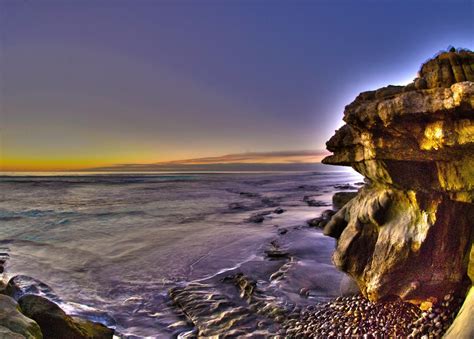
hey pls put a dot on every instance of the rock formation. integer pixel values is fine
(25, 314)
(55, 323)
(409, 231)
(13, 324)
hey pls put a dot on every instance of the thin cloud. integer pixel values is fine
(253, 157)
(279, 160)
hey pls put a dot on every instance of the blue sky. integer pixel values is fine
(102, 82)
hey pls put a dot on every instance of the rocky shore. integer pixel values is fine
(262, 314)
(25, 314)
(405, 237)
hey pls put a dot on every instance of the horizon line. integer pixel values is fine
(216, 167)
(246, 159)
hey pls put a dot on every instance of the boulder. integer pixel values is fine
(258, 217)
(278, 210)
(5, 333)
(13, 324)
(339, 199)
(313, 201)
(55, 323)
(322, 220)
(409, 230)
(20, 285)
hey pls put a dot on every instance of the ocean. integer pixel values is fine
(109, 247)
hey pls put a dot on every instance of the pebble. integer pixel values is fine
(356, 316)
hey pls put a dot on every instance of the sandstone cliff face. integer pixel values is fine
(410, 230)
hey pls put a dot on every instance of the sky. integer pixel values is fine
(87, 84)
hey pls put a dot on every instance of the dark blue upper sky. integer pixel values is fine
(101, 82)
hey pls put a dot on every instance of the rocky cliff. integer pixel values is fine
(410, 229)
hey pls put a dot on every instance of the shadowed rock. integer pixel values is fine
(259, 217)
(278, 210)
(311, 200)
(55, 323)
(339, 199)
(13, 324)
(322, 220)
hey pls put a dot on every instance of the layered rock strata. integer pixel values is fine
(409, 230)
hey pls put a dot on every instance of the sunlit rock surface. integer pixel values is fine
(409, 231)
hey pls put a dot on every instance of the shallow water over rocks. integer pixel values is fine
(112, 248)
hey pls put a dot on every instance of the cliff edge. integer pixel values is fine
(409, 231)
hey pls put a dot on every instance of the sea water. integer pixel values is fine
(110, 246)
